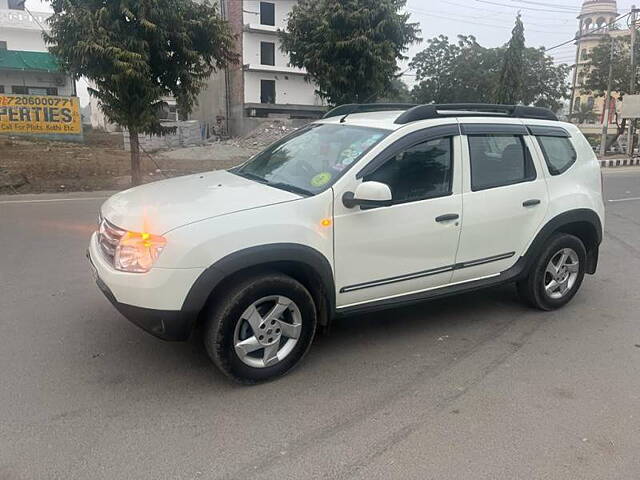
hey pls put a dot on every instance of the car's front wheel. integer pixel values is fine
(557, 275)
(262, 328)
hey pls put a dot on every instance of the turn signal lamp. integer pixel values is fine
(137, 252)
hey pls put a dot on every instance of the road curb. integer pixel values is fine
(620, 162)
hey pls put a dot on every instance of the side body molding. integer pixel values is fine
(287, 255)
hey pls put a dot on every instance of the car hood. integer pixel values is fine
(162, 206)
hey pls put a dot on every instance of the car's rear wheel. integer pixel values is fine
(262, 328)
(557, 275)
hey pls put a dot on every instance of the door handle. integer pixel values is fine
(531, 203)
(447, 218)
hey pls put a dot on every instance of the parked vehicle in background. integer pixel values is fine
(372, 207)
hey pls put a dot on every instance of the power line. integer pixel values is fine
(591, 31)
(498, 12)
(526, 8)
(35, 18)
(508, 27)
(567, 7)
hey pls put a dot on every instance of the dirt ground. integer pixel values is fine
(36, 166)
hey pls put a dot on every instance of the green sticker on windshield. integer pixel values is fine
(321, 179)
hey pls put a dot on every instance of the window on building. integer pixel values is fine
(267, 53)
(268, 91)
(1, 88)
(559, 154)
(19, 90)
(16, 4)
(499, 160)
(421, 172)
(584, 54)
(268, 13)
(3, 45)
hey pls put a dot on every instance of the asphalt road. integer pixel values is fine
(474, 387)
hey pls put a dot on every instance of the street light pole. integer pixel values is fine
(607, 105)
(632, 88)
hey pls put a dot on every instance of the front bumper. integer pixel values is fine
(162, 289)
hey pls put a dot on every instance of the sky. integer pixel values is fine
(547, 22)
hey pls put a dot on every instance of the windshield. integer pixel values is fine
(313, 158)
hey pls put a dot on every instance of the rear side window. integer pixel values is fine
(559, 153)
(420, 172)
(499, 160)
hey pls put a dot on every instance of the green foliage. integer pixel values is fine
(453, 73)
(349, 48)
(510, 87)
(398, 92)
(469, 73)
(545, 84)
(597, 69)
(135, 52)
(584, 114)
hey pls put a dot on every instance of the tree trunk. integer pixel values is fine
(136, 173)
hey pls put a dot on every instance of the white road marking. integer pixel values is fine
(53, 200)
(632, 199)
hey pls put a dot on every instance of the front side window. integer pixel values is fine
(267, 53)
(421, 172)
(312, 159)
(559, 153)
(499, 160)
(268, 13)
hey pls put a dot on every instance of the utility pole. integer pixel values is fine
(632, 88)
(607, 106)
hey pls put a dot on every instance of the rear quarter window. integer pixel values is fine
(558, 153)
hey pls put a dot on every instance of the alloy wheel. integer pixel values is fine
(267, 331)
(561, 273)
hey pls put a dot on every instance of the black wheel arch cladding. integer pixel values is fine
(305, 264)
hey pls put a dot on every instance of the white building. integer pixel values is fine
(264, 85)
(261, 86)
(595, 20)
(26, 67)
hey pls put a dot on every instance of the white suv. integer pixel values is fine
(374, 206)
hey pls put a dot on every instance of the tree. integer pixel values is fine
(597, 72)
(510, 87)
(544, 82)
(584, 114)
(350, 48)
(136, 52)
(466, 72)
(455, 73)
(398, 93)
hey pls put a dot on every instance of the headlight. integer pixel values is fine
(137, 252)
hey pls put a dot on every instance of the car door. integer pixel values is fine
(411, 245)
(505, 199)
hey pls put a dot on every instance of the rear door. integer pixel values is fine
(505, 198)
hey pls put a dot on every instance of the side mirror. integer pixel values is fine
(369, 195)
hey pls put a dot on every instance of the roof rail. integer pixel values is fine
(351, 108)
(426, 112)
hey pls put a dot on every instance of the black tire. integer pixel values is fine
(226, 314)
(532, 289)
